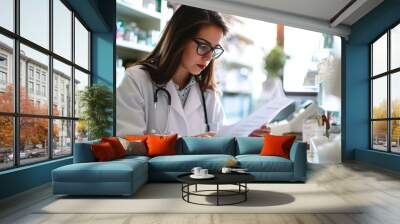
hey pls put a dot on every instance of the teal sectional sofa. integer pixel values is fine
(125, 176)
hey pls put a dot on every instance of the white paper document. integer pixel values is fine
(255, 120)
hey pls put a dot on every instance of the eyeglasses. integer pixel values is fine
(204, 47)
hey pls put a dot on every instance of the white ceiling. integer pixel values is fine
(321, 9)
(313, 15)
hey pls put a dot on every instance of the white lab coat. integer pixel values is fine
(136, 113)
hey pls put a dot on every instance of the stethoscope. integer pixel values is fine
(169, 102)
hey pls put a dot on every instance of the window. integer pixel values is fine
(44, 91)
(3, 71)
(81, 45)
(45, 130)
(3, 78)
(385, 95)
(35, 22)
(30, 72)
(37, 74)
(3, 61)
(302, 73)
(6, 89)
(30, 88)
(62, 75)
(43, 77)
(38, 89)
(7, 14)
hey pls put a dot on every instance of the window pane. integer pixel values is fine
(7, 14)
(6, 74)
(395, 94)
(379, 135)
(62, 138)
(306, 65)
(379, 98)
(35, 21)
(6, 142)
(395, 129)
(81, 81)
(62, 89)
(379, 55)
(33, 139)
(62, 29)
(34, 72)
(395, 47)
(81, 131)
(81, 45)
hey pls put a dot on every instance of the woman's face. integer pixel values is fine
(194, 63)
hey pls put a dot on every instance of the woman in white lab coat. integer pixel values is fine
(181, 66)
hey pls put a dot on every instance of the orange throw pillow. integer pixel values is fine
(160, 145)
(277, 145)
(136, 137)
(103, 152)
(116, 145)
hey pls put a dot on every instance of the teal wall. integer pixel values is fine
(24, 178)
(104, 52)
(356, 86)
(99, 16)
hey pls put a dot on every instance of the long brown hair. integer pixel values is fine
(164, 60)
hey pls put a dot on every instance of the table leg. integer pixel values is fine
(245, 193)
(188, 190)
(217, 194)
(182, 188)
(196, 188)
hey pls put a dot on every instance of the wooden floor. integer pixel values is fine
(377, 188)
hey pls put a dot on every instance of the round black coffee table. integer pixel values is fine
(238, 179)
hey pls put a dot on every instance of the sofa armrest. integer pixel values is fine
(83, 152)
(298, 155)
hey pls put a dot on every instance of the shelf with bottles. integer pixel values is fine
(140, 9)
(139, 25)
(131, 35)
(134, 46)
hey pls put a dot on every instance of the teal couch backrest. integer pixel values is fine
(214, 145)
(83, 152)
(249, 145)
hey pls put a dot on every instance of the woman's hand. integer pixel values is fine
(206, 134)
(260, 132)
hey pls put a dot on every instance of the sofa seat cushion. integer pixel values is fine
(133, 158)
(111, 171)
(185, 163)
(257, 163)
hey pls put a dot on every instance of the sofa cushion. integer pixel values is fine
(199, 145)
(103, 152)
(185, 163)
(136, 137)
(131, 158)
(275, 145)
(134, 147)
(116, 145)
(257, 163)
(249, 145)
(161, 145)
(111, 171)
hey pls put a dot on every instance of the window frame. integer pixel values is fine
(16, 115)
(388, 74)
